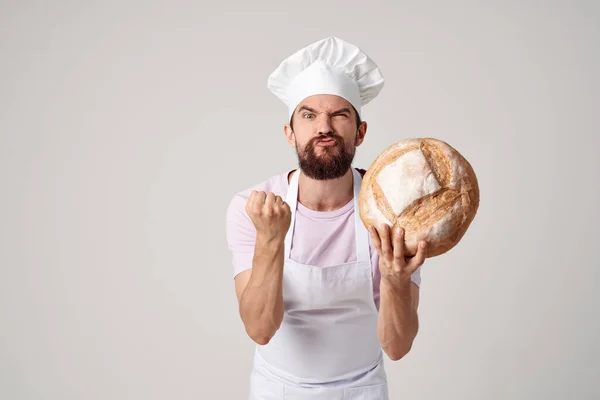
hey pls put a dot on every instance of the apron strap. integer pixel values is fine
(360, 231)
(363, 250)
(292, 200)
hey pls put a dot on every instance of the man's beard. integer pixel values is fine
(332, 163)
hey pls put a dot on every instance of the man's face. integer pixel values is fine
(326, 135)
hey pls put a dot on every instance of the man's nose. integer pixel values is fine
(324, 125)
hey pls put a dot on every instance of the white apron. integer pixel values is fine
(327, 346)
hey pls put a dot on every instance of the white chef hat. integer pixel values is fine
(329, 66)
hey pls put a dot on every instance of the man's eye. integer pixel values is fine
(308, 115)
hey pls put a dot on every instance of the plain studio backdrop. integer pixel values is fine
(126, 127)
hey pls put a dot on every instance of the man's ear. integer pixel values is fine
(290, 135)
(360, 135)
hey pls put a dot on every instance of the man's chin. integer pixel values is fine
(321, 169)
(325, 163)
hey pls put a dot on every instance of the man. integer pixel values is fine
(322, 297)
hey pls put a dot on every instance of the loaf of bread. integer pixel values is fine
(425, 186)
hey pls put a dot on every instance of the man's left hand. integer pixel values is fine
(393, 264)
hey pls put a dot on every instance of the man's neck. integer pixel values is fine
(325, 195)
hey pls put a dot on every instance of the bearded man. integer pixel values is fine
(323, 297)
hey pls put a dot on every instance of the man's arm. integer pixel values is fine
(259, 230)
(398, 321)
(259, 291)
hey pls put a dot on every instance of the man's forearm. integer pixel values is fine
(398, 320)
(261, 304)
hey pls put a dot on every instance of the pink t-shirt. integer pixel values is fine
(320, 238)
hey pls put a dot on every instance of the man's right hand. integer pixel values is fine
(270, 215)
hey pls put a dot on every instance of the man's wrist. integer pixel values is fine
(269, 242)
(396, 284)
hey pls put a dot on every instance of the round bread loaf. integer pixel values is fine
(425, 186)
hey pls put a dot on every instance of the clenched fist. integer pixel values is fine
(270, 215)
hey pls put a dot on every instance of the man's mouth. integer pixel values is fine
(326, 142)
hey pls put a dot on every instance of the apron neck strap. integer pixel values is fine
(360, 231)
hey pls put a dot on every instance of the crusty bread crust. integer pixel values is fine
(443, 185)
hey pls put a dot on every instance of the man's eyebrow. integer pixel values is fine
(307, 108)
(341, 111)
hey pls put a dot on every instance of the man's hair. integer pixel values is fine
(358, 120)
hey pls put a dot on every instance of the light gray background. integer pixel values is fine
(127, 126)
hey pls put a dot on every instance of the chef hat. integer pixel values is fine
(329, 66)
